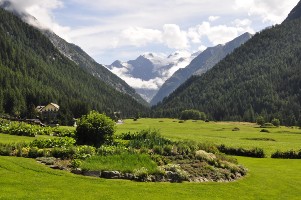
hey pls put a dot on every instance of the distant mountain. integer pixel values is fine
(77, 55)
(34, 72)
(150, 70)
(295, 13)
(199, 65)
(262, 77)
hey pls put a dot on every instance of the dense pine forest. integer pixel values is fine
(33, 72)
(263, 77)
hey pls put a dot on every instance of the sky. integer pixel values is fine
(124, 29)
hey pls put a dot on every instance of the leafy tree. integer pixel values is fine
(192, 114)
(275, 122)
(95, 129)
(260, 120)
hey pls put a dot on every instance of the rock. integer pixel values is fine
(173, 177)
(111, 174)
(91, 173)
(128, 176)
(77, 171)
(54, 167)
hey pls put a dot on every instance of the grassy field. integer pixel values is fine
(6, 139)
(267, 178)
(22, 178)
(249, 136)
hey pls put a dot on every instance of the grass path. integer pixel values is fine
(22, 178)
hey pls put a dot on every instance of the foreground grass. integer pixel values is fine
(124, 162)
(22, 178)
(249, 135)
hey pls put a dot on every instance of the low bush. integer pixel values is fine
(264, 131)
(148, 139)
(23, 129)
(287, 154)
(255, 152)
(63, 133)
(53, 142)
(236, 129)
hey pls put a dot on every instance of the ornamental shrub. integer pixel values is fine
(95, 129)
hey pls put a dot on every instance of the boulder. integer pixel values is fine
(92, 173)
(111, 174)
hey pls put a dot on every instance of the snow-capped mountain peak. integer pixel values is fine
(150, 70)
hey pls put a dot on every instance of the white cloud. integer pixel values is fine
(213, 18)
(274, 11)
(42, 11)
(219, 34)
(173, 37)
(202, 48)
(140, 36)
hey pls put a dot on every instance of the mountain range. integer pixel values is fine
(149, 71)
(262, 77)
(199, 65)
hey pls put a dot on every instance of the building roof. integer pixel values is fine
(39, 108)
(55, 105)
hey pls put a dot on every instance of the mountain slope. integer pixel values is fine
(76, 54)
(147, 73)
(34, 72)
(295, 13)
(261, 77)
(203, 62)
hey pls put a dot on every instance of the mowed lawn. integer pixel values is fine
(22, 178)
(6, 139)
(249, 135)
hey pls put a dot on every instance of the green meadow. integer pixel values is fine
(22, 178)
(248, 136)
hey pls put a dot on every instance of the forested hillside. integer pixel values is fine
(202, 63)
(34, 72)
(262, 77)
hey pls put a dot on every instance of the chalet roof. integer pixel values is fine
(55, 105)
(39, 108)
